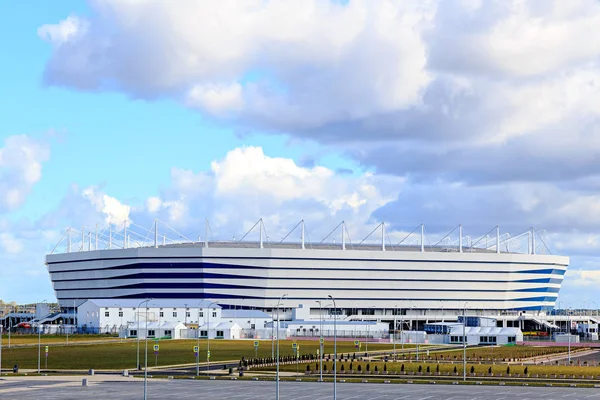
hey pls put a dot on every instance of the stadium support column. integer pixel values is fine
(422, 238)
(460, 238)
(343, 235)
(302, 234)
(497, 239)
(68, 240)
(156, 234)
(532, 241)
(382, 236)
(125, 234)
(110, 235)
(96, 238)
(260, 235)
(206, 233)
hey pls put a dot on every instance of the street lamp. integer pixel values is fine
(277, 374)
(208, 336)
(367, 333)
(320, 341)
(146, 355)
(464, 338)
(137, 365)
(198, 342)
(334, 348)
(40, 340)
(394, 334)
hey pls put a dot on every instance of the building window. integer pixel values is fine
(133, 333)
(120, 313)
(201, 314)
(187, 314)
(168, 333)
(151, 333)
(220, 333)
(203, 333)
(252, 326)
(214, 314)
(106, 313)
(512, 339)
(161, 314)
(174, 313)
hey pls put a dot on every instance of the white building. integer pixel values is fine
(364, 330)
(588, 331)
(111, 315)
(452, 333)
(154, 330)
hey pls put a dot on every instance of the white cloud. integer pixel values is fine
(21, 161)
(66, 30)
(10, 244)
(217, 99)
(113, 210)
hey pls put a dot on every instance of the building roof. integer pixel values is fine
(244, 314)
(156, 303)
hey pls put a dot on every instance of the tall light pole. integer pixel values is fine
(334, 348)
(277, 374)
(146, 356)
(137, 365)
(320, 339)
(394, 337)
(464, 342)
(40, 340)
(569, 331)
(208, 336)
(198, 341)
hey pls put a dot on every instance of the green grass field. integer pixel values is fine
(497, 353)
(123, 355)
(443, 368)
(54, 339)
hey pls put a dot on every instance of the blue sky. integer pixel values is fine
(359, 111)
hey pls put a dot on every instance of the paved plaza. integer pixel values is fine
(57, 388)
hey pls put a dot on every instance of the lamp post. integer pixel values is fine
(208, 337)
(137, 365)
(464, 339)
(334, 348)
(277, 374)
(146, 355)
(394, 334)
(198, 342)
(569, 332)
(320, 339)
(40, 340)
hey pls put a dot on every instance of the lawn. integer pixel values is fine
(416, 367)
(171, 352)
(496, 353)
(16, 339)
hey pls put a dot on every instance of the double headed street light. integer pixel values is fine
(334, 348)
(208, 336)
(277, 374)
(137, 364)
(464, 342)
(40, 340)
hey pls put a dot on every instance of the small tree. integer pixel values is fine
(342, 367)
(420, 368)
(455, 370)
(359, 368)
(376, 368)
(351, 367)
(437, 368)
(525, 371)
(507, 370)
(307, 367)
(490, 370)
(368, 367)
(402, 368)
(384, 367)
(472, 369)
(428, 370)
(325, 367)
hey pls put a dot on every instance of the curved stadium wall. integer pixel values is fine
(242, 274)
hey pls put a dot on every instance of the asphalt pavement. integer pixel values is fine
(131, 388)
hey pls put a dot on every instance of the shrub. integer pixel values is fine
(428, 370)
(308, 367)
(507, 370)
(455, 370)
(437, 368)
(402, 368)
(384, 367)
(525, 371)
(368, 367)
(342, 369)
(490, 370)
(472, 369)
(376, 368)
(420, 368)
(359, 368)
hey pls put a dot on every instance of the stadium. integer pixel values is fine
(418, 283)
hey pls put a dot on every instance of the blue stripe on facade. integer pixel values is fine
(305, 259)
(203, 265)
(210, 275)
(196, 295)
(208, 285)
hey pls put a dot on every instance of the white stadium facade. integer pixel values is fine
(417, 283)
